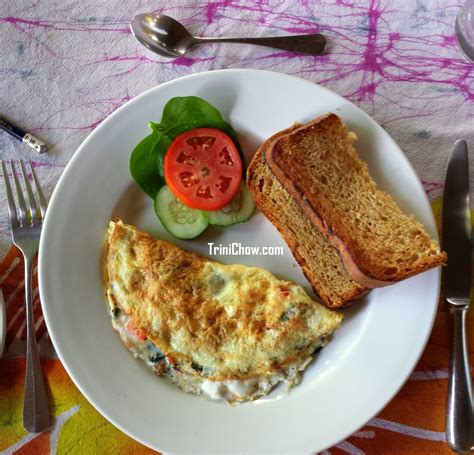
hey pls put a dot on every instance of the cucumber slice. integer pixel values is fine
(238, 210)
(178, 219)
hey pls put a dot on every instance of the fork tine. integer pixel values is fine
(39, 191)
(19, 195)
(10, 199)
(31, 199)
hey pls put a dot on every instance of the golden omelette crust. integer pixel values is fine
(235, 322)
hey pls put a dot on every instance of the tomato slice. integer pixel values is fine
(203, 168)
(134, 330)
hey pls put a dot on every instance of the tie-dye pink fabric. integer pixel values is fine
(66, 65)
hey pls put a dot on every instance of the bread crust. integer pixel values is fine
(253, 177)
(344, 246)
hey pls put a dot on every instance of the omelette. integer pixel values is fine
(229, 332)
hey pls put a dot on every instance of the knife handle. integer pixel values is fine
(460, 420)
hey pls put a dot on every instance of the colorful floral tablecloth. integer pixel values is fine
(66, 65)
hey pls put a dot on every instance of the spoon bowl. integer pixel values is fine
(162, 34)
(169, 38)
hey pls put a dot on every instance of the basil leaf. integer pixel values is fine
(146, 162)
(182, 114)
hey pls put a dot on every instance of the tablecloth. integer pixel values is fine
(66, 65)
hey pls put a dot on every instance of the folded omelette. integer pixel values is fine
(229, 332)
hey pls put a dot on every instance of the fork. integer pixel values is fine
(26, 223)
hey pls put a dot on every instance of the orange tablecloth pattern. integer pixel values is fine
(412, 423)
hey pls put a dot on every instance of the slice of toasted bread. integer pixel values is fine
(379, 245)
(318, 259)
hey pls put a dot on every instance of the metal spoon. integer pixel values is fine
(169, 38)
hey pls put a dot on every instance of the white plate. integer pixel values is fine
(353, 378)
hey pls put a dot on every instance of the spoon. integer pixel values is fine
(169, 38)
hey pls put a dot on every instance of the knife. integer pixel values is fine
(456, 238)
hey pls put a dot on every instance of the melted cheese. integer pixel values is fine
(232, 391)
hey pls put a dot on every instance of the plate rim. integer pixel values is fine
(110, 118)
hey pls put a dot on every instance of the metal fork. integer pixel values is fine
(26, 223)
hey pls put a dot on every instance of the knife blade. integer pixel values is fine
(456, 227)
(456, 241)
